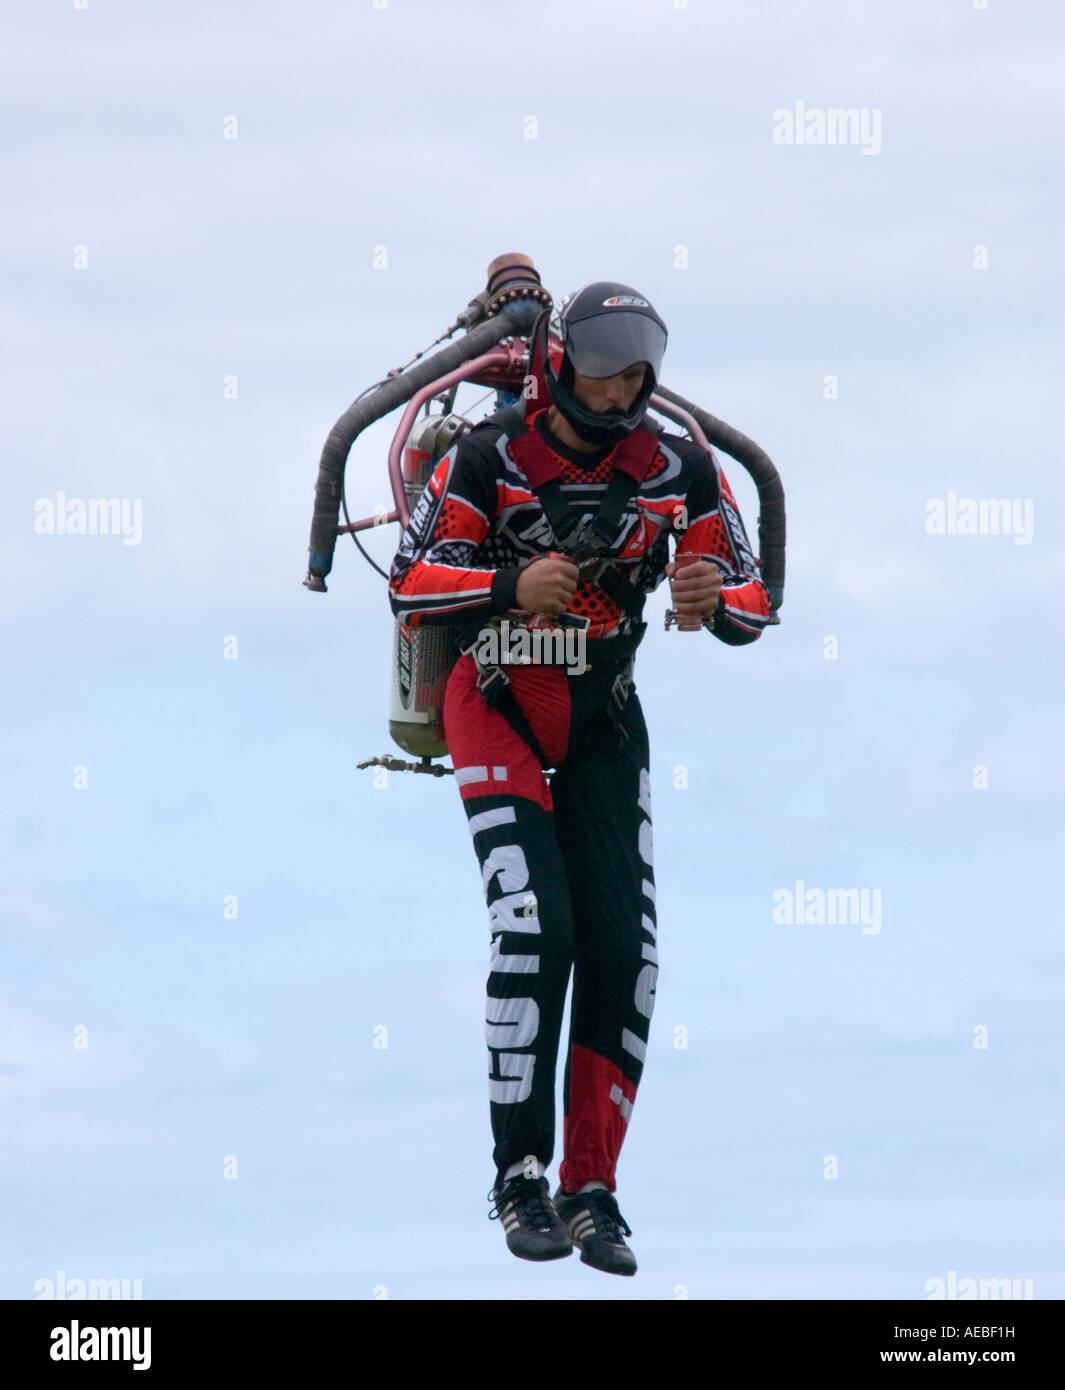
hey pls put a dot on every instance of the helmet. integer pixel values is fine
(599, 331)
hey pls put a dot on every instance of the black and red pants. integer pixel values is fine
(567, 868)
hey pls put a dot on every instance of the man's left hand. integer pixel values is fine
(696, 589)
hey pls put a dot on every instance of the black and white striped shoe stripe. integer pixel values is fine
(582, 1225)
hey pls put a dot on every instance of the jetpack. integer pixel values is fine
(495, 352)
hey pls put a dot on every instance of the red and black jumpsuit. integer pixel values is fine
(566, 864)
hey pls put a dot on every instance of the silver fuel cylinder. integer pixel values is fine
(423, 657)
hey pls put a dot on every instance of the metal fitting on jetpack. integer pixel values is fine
(512, 280)
(391, 763)
(680, 562)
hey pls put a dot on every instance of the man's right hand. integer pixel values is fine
(547, 584)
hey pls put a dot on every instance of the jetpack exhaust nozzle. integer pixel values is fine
(512, 266)
(514, 283)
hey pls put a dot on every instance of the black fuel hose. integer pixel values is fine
(512, 319)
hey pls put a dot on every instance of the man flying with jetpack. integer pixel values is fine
(564, 505)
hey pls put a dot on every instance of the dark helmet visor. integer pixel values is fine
(609, 343)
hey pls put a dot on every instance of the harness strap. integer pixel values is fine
(494, 685)
(504, 700)
(614, 651)
(624, 593)
(564, 520)
(607, 520)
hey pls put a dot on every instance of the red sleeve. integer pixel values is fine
(432, 579)
(715, 531)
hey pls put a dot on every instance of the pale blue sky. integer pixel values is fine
(361, 1168)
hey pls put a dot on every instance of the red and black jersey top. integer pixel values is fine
(478, 522)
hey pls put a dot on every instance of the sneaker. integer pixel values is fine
(530, 1220)
(596, 1226)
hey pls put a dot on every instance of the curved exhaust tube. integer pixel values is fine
(509, 305)
(772, 524)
